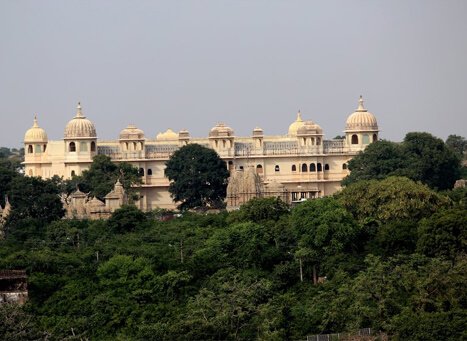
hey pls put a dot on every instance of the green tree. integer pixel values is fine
(420, 157)
(378, 161)
(8, 171)
(198, 177)
(261, 210)
(394, 198)
(444, 234)
(101, 177)
(127, 218)
(431, 161)
(323, 228)
(35, 202)
(457, 143)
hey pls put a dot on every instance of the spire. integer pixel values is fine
(35, 125)
(78, 110)
(360, 104)
(299, 116)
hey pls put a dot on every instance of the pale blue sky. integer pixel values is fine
(190, 64)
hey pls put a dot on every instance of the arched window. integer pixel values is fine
(30, 172)
(326, 167)
(375, 137)
(344, 166)
(126, 145)
(230, 166)
(312, 167)
(259, 169)
(149, 171)
(320, 168)
(141, 172)
(73, 173)
(30, 149)
(277, 168)
(354, 139)
(304, 168)
(44, 147)
(294, 168)
(72, 147)
(134, 146)
(318, 141)
(93, 146)
(223, 143)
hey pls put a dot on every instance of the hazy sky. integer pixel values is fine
(191, 64)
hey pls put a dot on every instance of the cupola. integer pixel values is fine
(35, 134)
(361, 120)
(80, 127)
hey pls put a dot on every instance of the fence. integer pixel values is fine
(342, 336)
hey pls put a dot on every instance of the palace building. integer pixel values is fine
(296, 166)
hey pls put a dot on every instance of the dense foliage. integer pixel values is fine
(386, 253)
(420, 157)
(198, 177)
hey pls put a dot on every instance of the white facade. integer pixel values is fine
(302, 162)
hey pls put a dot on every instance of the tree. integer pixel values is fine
(457, 143)
(125, 219)
(261, 210)
(101, 177)
(444, 234)
(8, 171)
(392, 199)
(35, 202)
(431, 161)
(198, 177)
(323, 228)
(378, 161)
(420, 157)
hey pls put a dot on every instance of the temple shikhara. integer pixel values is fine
(298, 165)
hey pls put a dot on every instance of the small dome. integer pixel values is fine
(79, 126)
(221, 130)
(169, 134)
(293, 128)
(258, 131)
(361, 119)
(131, 133)
(184, 134)
(36, 133)
(309, 128)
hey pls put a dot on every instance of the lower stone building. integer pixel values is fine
(13, 286)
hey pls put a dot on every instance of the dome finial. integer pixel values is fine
(299, 116)
(35, 125)
(78, 110)
(360, 104)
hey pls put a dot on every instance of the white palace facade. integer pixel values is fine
(296, 166)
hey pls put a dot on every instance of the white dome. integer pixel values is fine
(35, 133)
(361, 120)
(80, 126)
(309, 128)
(221, 130)
(293, 128)
(169, 134)
(131, 133)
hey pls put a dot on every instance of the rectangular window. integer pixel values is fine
(83, 147)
